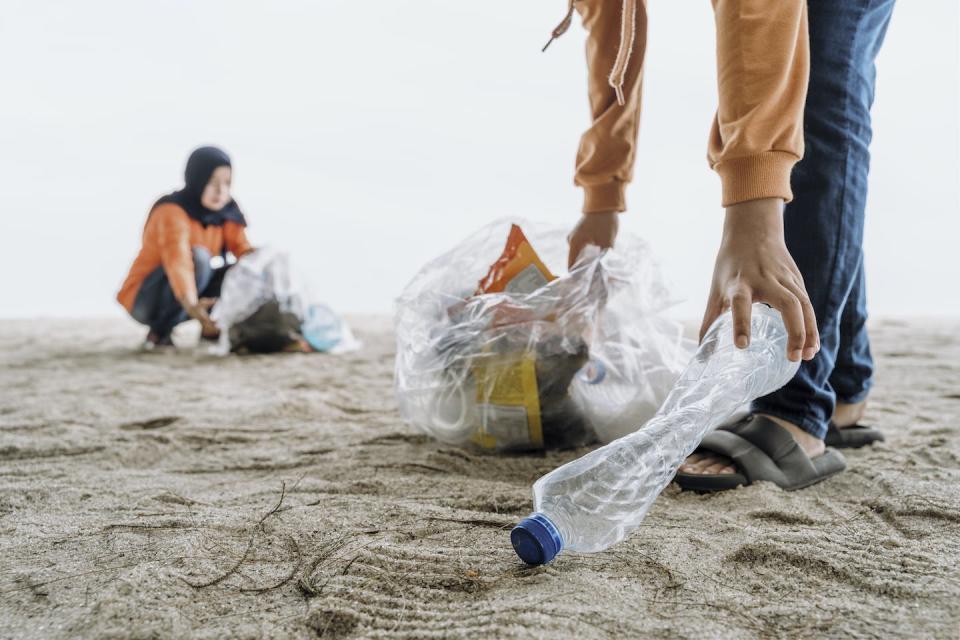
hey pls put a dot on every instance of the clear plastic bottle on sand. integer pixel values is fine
(594, 502)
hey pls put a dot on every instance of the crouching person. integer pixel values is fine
(173, 279)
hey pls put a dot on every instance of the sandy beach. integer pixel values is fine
(186, 496)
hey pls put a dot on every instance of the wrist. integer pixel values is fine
(762, 215)
(192, 309)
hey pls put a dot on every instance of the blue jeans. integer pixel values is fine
(157, 307)
(824, 223)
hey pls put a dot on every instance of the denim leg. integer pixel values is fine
(852, 375)
(212, 289)
(824, 223)
(157, 307)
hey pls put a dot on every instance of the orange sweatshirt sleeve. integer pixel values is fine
(763, 68)
(608, 148)
(172, 228)
(235, 237)
(762, 72)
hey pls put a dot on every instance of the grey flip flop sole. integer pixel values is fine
(853, 437)
(762, 450)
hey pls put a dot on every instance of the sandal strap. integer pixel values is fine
(753, 463)
(780, 446)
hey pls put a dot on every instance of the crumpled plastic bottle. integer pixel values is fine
(594, 502)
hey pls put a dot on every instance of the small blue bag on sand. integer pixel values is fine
(322, 328)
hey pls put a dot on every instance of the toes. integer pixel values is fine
(715, 468)
(707, 464)
(700, 465)
(692, 462)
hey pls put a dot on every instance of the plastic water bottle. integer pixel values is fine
(594, 502)
(614, 399)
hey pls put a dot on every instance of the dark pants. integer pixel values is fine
(157, 307)
(824, 223)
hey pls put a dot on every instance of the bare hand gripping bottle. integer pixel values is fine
(594, 502)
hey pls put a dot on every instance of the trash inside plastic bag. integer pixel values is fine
(265, 306)
(529, 360)
(269, 329)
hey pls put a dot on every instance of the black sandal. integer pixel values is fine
(852, 437)
(762, 450)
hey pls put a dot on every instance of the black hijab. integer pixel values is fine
(200, 166)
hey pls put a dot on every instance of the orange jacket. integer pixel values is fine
(168, 239)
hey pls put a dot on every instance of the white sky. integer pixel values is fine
(368, 137)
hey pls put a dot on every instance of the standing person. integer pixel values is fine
(172, 279)
(802, 256)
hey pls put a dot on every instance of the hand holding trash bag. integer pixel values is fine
(594, 229)
(199, 311)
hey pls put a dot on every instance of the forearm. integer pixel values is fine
(180, 275)
(188, 299)
(176, 256)
(762, 74)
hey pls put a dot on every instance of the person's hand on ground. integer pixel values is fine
(598, 229)
(753, 265)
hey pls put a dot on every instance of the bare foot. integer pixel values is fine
(712, 464)
(848, 415)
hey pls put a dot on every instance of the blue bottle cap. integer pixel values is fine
(536, 539)
(593, 372)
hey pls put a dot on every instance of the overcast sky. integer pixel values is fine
(369, 136)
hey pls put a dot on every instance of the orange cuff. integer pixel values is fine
(766, 175)
(604, 198)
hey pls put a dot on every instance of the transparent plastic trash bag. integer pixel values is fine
(517, 369)
(265, 303)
